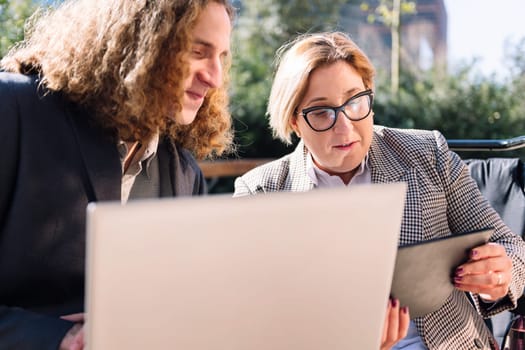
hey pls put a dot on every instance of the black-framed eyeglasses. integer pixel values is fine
(357, 107)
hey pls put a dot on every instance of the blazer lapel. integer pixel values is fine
(167, 188)
(386, 167)
(98, 156)
(299, 181)
(384, 164)
(182, 181)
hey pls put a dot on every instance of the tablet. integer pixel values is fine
(424, 271)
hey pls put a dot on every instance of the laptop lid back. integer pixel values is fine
(279, 271)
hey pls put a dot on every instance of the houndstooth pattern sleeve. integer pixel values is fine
(442, 199)
(467, 209)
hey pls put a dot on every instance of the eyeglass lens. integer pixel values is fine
(323, 118)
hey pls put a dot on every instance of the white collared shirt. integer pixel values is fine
(321, 178)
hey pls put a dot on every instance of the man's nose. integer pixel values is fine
(211, 73)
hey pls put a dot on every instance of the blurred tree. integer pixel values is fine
(515, 56)
(13, 15)
(389, 12)
(262, 27)
(460, 105)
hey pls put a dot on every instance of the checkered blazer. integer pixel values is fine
(441, 198)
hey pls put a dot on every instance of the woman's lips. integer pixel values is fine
(345, 146)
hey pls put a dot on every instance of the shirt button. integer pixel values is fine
(478, 343)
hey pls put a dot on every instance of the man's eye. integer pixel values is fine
(199, 51)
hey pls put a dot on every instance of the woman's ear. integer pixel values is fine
(293, 124)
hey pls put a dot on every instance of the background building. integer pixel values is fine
(423, 36)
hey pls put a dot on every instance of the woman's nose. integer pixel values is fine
(342, 124)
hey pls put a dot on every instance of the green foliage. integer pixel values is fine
(263, 26)
(383, 11)
(390, 12)
(458, 105)
(13, 15)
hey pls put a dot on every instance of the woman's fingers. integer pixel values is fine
(396, 324)
(488, 272)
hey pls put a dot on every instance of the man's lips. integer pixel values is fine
(195, 95)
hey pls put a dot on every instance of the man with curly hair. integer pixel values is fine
(104, 100)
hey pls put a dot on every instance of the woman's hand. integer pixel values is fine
(487, 273)
(396, 324)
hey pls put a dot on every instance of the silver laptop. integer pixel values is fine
(279, 271)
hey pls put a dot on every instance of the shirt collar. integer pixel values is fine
(321, 178)
(148, 151)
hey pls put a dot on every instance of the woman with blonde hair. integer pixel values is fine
(103, 100)
(323, 92)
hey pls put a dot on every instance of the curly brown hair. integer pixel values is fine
(126, 61)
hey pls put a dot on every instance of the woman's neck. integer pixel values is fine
(346, 176)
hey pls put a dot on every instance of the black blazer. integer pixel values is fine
(53, 161)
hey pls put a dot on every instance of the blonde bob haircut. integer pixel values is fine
(125, 61)
(296, 61)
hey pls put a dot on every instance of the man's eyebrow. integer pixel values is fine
(208, 45)
(203, 43)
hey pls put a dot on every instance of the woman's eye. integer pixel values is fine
(321, 113)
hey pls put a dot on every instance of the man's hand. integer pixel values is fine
(74, 338)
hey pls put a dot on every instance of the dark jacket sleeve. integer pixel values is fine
(19, 329)
(200, 183)
(188, 177)
(23, 330)
(9, 131)
(191, 166)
